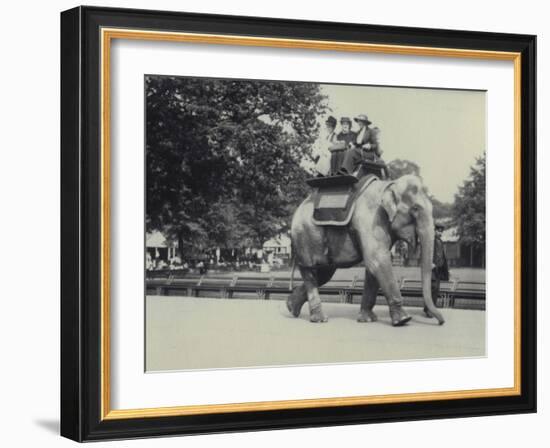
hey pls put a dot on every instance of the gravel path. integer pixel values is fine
(203, 333)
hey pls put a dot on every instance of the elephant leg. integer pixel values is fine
(296, 300)
(324, 274)
(316, 313)
(382, 269)
(370, 292)
(299, 296)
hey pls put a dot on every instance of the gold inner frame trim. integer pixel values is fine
(107, 35)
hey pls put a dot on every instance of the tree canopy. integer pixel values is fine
(441, 209)
(223, 157)
(400, 167)
(469, 205)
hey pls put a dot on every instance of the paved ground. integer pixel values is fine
(202, 333)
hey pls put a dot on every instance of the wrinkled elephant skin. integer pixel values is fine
(385, 212)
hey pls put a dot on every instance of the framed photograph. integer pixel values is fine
(277, 224)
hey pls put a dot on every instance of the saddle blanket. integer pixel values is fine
(334, 205)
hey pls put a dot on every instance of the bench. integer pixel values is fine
(469, 294)
(450, 291)
(250, 285)
(413, 288)
(454, 293)
(163, 285)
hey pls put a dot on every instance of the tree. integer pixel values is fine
(400, 167)
(469, 206)
(441, 209)
(223, 157)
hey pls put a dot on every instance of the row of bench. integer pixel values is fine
(263, 287)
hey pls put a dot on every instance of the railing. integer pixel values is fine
(453, 294)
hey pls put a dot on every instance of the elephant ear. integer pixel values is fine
(390, 201)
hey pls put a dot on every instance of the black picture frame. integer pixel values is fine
(81, 224)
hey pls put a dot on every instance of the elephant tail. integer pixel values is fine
(291, 283)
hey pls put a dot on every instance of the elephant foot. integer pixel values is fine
(316, 315)
(399, 316)
(367, 316)
(294, 306)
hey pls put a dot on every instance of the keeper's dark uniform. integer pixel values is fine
(440, 271)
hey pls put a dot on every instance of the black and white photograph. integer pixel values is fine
(300, 223)
(275, 224)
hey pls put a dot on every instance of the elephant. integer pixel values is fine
(387, 211)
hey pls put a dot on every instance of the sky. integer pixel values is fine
(443, 131)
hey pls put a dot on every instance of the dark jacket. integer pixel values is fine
(369, 136)
(441, 268)
(350, 137)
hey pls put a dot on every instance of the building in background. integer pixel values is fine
(160, 253)
(278, 247)
(460, 254)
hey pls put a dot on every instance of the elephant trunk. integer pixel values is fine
(426, 236)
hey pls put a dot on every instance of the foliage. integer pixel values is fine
(469, 205)
(441, 209)
(400, 167)
(223, 157)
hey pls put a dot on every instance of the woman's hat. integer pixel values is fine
(345, 120)
(363, 117)
(331, 121)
